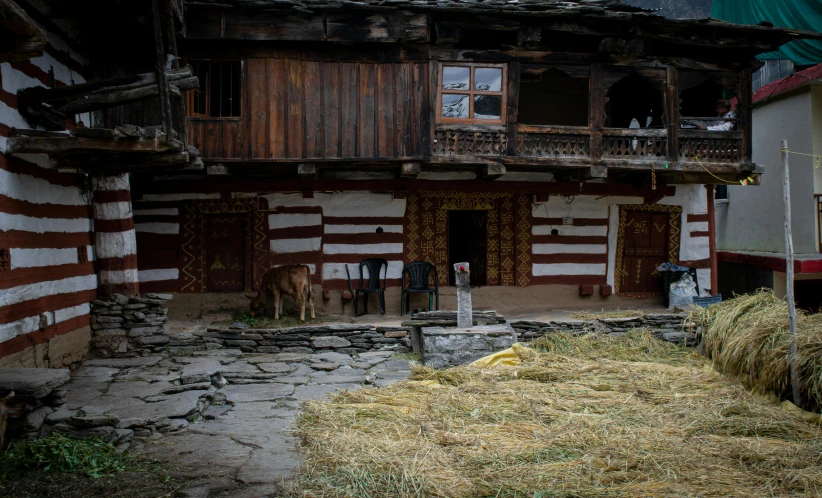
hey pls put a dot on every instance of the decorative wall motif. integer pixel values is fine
(551, 145)
(523, 250)
(636, 147)
(194, 248)
(469, 143)
(674, 231)
(710, 150)
(508, 222)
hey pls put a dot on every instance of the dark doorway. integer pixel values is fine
(467, 241)
(553, 98)
(225, 253)
(646, 247)
(633, 97)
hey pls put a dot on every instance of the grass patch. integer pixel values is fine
(567, 421)
(93, 457)
(266, 322)
(598, 315)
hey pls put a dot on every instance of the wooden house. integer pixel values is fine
(552, 144)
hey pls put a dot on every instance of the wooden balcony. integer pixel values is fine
(573, 146)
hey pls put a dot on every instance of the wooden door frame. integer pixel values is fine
(674, 233)
(248, 262)
(193, 272)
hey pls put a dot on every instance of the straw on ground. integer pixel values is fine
(657, 423)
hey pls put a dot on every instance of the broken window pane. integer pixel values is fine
(488, 107)
(488, 79)
(455, 78)
(454, 106)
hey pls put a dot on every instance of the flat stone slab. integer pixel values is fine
(142, 361)
(489, 330)
(257, 392)
(33, 382)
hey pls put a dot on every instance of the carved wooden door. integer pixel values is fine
(646, 247)
(225, 253)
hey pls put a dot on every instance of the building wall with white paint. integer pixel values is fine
(47, 275)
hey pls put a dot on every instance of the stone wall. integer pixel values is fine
(124, 326)
(669, 327)
(447, 347)
(345, 338)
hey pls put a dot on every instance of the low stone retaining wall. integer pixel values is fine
(124, 326)
(344, 338)
(670, 327)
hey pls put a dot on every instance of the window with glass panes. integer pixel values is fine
(472, 93)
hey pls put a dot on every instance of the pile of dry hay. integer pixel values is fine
(748, 337)
(559, 426)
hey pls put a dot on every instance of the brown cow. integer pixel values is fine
(9, 409)
(291, 280)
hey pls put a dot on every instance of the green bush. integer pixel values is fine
(59, 453)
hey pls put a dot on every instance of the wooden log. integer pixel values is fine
(162, 77)
(119, 163)
(22, 50)
(55, 145)
(789, 270)
(101, 100)
(40, 94)
(41, 115)
(447, 33)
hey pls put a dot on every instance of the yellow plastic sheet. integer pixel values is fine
(507, 357)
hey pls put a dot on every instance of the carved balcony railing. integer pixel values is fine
(469, 141)
(559, 142)
(710, 146)
(634, 144)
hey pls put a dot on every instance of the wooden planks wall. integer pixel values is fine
(333, 110)
(217, 138)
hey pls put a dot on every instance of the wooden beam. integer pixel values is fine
(672, 113)
(410, 170)
(103, 100)
(447, 33)
(491, 171)
(308, 171)
(712, 241)
(22, 38)
(40, 94)
(162, 77)
(54, 145)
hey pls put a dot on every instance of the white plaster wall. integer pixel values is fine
(157, 275)
(38, 190)
(752, 220)
(284, 246)
(288, 220)
(30, 258)
(343, 204)
(34, 291)
(115, 244)
(157, 227)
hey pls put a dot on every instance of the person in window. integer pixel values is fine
(723, 110)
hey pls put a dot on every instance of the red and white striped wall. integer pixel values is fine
(114, 236)
(578, 253)
(333, 230)
(47, 275)
(157, 227)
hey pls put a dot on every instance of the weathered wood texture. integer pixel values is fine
(315, 110)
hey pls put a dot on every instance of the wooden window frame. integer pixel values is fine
(471, 92)
(190, 96)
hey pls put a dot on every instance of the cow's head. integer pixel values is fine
(9, 409)
(257, 304)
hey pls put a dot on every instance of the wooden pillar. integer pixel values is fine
(744, 115)
(513, 107)
(596, 110)
(672, 116)
(115, 242)
(162, 77)
(712, 241)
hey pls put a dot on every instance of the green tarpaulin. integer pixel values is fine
(797, 14)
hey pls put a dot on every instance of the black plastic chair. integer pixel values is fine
(419, 274)
(374, 266)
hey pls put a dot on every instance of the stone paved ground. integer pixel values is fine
(219, 417)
